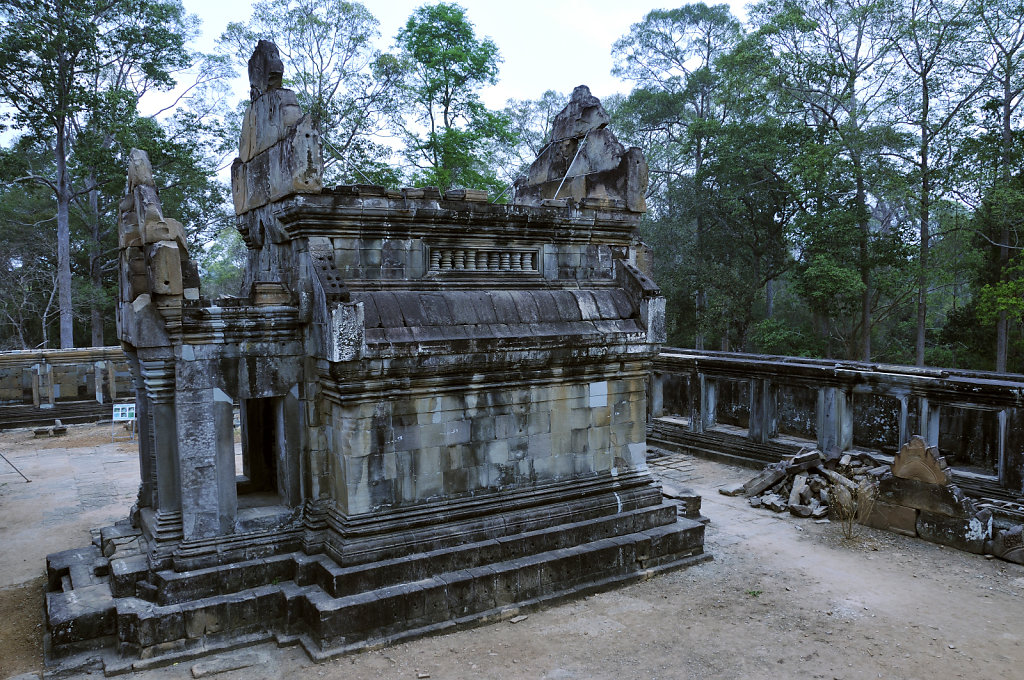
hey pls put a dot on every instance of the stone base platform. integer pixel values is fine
(113, 610)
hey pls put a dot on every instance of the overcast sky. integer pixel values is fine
(544, 44)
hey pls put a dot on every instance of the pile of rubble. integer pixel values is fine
(801, 484)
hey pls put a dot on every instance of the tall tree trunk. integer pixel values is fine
(865, 265)
(1002, 324)
(925, 207)
(769, 298)
(701, 300)
(95, 267)
(67, 324)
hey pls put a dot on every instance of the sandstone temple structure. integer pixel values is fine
(441, 404)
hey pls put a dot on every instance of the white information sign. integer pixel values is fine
(124, 412)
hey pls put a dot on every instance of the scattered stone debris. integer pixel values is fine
(800, 483)
(913, 496)
(519, 619)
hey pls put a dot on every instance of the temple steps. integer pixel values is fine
(330, 609)
(177, 587)
(328, 625)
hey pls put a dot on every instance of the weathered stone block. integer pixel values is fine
(963, 534)
(899, 519)
(934, 498)
(165, 268)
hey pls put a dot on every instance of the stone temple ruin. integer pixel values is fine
(441, 402)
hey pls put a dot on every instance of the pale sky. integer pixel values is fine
(545, 44)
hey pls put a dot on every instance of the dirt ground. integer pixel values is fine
(783, 598)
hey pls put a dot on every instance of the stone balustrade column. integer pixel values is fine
(763, 423)
(708, 402)
(929, 419)
(835, 418)
(656, 400)
(904, 424)
(1011, 448)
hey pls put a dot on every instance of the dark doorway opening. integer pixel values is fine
(262, 443)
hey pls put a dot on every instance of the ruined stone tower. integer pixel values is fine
(441, 403)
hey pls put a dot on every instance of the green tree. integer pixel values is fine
(833, 65)
(671, 56)
(936, 46)
(68, 56)
(1002, 25)
(451, 138)
(530, 122)
(27, 263)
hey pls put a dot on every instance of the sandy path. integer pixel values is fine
(783, 598)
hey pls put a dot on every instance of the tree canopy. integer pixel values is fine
(838, 178)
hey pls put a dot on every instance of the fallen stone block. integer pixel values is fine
(803, 461)
(769, 477)
(838, 479)
(896, 518)
(1008, 544)
(774, 502)
(799, 487)
(800, 510)
(968, 535)
(735, 489)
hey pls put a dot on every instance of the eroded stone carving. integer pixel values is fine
(584, 162)
(917, 460)
(1008, 544)
(279, 152)
(156, 270)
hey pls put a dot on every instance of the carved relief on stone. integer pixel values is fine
(1008, 544)
(918, 461)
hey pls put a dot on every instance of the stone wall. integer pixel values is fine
(974, 417)
(451, 443)
(74, 385)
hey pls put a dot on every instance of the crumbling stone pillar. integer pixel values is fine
(929, 416)
(708, 402)
(763, 423)
(835, 418)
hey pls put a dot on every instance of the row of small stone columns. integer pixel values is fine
(834, 413)
(44, 392)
